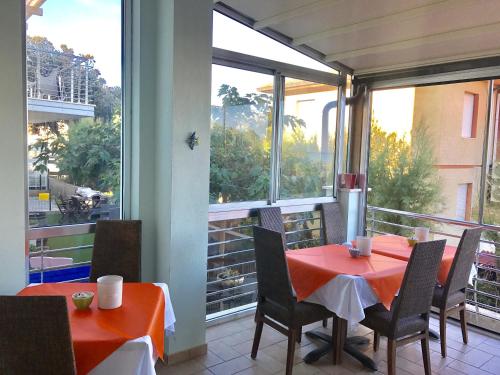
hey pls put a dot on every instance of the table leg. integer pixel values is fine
(349, 344)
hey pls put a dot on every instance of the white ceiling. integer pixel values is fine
(380, 35)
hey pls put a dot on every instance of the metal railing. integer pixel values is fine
(60, 253)
(58, 76)
(231, 254)
(483, 296)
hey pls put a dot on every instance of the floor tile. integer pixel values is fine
(232, 366)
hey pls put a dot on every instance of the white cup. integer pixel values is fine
(109, 291)
(422, 234)
(364, 245)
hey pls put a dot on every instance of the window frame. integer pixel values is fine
(280, 71)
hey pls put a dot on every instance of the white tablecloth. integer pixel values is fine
(137, 357)
(347, 296)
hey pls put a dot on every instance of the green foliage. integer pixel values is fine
(90, 154)
(240, 151)
(239, 165)
(402, 176)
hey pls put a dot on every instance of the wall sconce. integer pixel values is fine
(193, 140)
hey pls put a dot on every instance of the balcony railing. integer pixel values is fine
(60, 254)
(231, 254)
(484, 294)
(58, 76)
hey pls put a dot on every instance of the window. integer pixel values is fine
(74, 131)
(419, 154)
(309, 125)
(74, 112)
(464, 195)
(469, 117)
(257, 155)
(240, 135)
(231, 35)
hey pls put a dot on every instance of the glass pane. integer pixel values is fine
(308, 144)
(419, 159)
(233, 36)
(492, 196)
(74, 111)
(240, 135)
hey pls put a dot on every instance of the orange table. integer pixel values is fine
(397, 247)
(97, 333)
(312, 268)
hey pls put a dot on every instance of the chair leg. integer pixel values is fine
(391, 356)
(425, 354)
(325, 322)
(292, 337)
(376, 341)
(442, 331)
(299, 335)
(257, 335)
(463, 323)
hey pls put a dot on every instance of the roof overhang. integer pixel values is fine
(34, 8)
(377, 37)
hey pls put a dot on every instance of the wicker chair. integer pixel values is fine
(408, 318)
(35, 336)
(275, 297)
(270, 218)
(334, 229)
(450, 297)
(117, 250)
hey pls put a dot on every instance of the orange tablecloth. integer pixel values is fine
(397, 247)
(97, 333)
(312, 268)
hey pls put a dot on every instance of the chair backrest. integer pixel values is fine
(270, 218)
(117, 250)
(334, 228)
(462, 262)
(272, 269)
(415, 295)
(35, 336)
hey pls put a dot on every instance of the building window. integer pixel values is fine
(469, 116)
(464, 201)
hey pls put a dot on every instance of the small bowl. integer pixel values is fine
(82, 300)
(412, 241)
(354, 252)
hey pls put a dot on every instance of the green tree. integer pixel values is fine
(89, 155)
(402, 176)
(240, 151)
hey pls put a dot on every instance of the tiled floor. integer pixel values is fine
(229, 346)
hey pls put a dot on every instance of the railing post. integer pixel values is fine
(72, 85)
(38, 77)
(86, 82)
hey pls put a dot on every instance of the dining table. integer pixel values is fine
(329, 276)
(125, 340)
(395, 246)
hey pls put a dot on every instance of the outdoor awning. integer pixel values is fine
(371, 36)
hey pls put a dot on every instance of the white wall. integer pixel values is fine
(12, 147)
(171, 67)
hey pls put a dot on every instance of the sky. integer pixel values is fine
(394, 110)
(89, 27)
